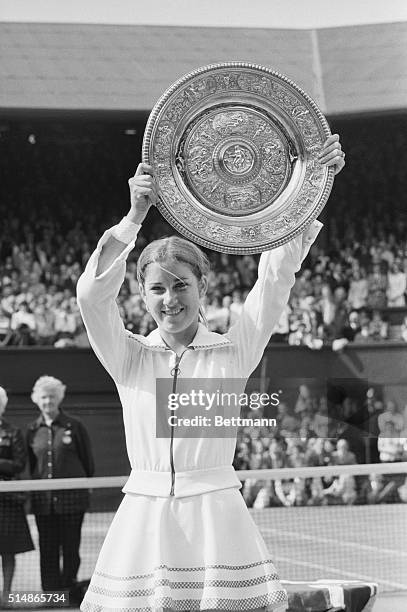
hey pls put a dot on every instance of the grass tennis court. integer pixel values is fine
(342, 542)
(348, 542)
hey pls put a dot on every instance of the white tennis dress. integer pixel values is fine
(182, 538)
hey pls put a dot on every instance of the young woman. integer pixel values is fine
(182, 538)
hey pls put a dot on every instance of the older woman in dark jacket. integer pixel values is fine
(14, 532)
(58, 447)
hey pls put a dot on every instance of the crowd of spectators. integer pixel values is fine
(332, 302)
(63, 186)
(336, 299)
(345, 296)
(316, 432)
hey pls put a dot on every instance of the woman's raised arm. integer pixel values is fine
(277, 269)
(143, 195)
(266, 301)
(100, 283)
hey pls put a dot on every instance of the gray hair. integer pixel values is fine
(3, 397)
(48, 382)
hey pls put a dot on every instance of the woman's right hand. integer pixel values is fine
(143, 193)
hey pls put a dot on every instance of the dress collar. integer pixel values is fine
(204, 339)
(61, 419)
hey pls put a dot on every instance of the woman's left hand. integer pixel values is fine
(332, 154)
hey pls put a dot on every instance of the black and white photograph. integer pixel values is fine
(203, 315)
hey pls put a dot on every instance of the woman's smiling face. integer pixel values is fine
(172, 295)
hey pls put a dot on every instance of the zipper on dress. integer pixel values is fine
(174, 372)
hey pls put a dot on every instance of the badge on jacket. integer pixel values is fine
(67, 437)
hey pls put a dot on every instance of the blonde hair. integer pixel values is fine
(178, 250)
(3, 397)
(48, 382)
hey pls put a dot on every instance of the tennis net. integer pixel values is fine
(336, 522)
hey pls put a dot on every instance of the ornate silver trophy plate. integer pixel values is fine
(234, 149)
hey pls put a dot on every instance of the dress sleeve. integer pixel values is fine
(85, 450)
(266, 301)
(96, 297)
(14, 465)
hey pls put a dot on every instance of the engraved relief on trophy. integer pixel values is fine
(229, 148)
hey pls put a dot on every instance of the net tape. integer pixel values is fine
(101, 482)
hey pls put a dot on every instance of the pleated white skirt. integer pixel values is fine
(202, 552)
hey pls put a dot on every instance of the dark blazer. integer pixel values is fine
(13, 454)
(62, 450)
